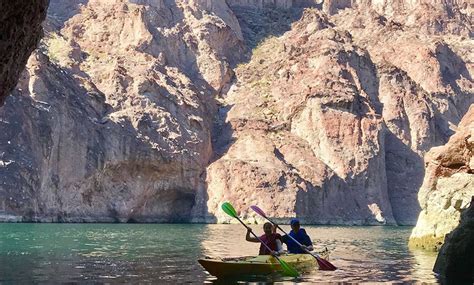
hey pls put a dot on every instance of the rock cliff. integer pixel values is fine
(20, 32)
(333, 118)
(448, 186)
(157, 110)
(111, 120)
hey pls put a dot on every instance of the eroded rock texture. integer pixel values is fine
(20, 32)
(455, 262)
(158, 110)
(448, 186)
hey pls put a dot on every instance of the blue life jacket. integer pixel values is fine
(301, 237)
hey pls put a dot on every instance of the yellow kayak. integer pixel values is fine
(259, 265)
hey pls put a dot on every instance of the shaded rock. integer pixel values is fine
(455, 262)
(20, 32)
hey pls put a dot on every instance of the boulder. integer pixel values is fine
(448, 186)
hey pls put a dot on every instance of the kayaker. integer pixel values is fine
(300, 235)
(270, 238)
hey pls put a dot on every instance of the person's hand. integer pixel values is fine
(274, 228)
(304, 247)
(274, 253)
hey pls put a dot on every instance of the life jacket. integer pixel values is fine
(270, 241)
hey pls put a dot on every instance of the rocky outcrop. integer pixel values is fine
(290, 120)
(448, 186)
(455, 262)
(20, 32)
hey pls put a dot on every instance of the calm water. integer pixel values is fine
(111, 253)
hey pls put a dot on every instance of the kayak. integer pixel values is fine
(258, 265)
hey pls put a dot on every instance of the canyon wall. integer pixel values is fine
(160, 110)
(111, 121)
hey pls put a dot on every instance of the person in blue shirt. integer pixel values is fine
(300, 235)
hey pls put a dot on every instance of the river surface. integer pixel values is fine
(168, 253)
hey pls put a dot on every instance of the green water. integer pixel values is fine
(156, 253)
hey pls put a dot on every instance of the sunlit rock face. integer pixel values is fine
(303, 137)
(20, 32)
(330, 121)
(425, 88)
(448, 186)
(428, 16)
(160, 110)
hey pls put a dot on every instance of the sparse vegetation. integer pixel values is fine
(57, 48)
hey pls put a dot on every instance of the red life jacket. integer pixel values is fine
(270, 241)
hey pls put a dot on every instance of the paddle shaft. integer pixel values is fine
(261, 241)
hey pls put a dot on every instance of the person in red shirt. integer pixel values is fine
(270, 238)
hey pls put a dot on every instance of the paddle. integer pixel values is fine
(323, 264)
(287, 269)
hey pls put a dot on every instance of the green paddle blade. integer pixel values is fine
(287, 269)
(229, 210)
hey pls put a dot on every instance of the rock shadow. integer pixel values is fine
(222, 133)
(200, 212)
(60, 11)
(261, 23)
(405, 172)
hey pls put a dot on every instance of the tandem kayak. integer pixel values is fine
(258, 265)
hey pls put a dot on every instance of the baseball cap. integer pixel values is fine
(294, 221)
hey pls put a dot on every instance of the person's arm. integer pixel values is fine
(249, 238)
(274, 228)
(279, 248)
(309, 247)
(307, 243)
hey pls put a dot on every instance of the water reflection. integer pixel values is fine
(61, 253)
